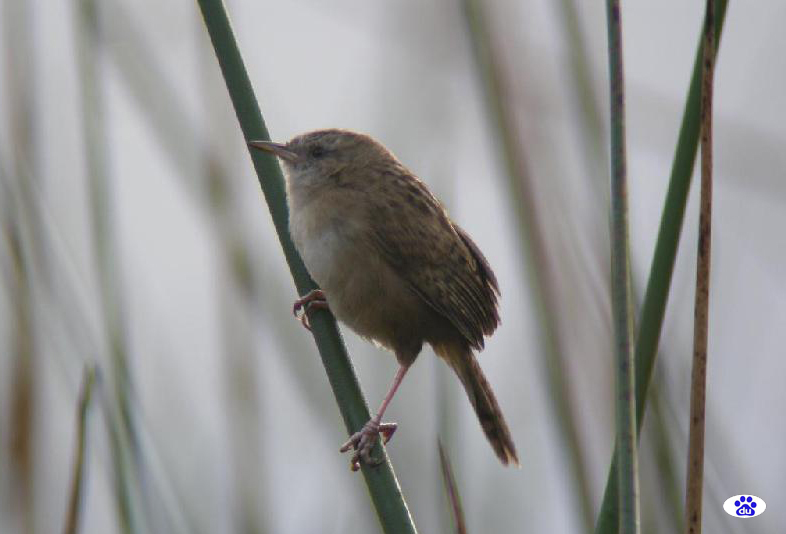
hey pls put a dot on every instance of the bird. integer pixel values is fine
(391, 265)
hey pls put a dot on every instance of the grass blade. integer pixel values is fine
(698, 390)
(28, 259)
(381, 481)
(657, 293)
(457, 512)
(88, 47)
(22, 397)
(583, 88)
(77, 477)
(621, 301)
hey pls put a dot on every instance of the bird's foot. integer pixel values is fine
(313, 300)
(363, 441)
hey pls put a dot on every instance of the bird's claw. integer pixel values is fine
(314, 299)
(363, 442)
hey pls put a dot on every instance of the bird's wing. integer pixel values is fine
(436, 258)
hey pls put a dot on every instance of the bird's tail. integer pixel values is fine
(463, 361)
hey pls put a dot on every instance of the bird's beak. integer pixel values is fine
(277, 149)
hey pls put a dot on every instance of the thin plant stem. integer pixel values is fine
(77, 476)
(583, 88)
(28, 253)
(621, 301)
(124, 450)
(451, 491)
(662, 268)
(242, 361)
(381, 481)
(21, 435)
(698, 390)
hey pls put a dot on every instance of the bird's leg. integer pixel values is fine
(363, 440)
(313, 300)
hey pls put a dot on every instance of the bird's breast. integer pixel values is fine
(362, 290)
(330, 244)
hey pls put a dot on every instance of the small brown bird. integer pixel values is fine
(392, 265)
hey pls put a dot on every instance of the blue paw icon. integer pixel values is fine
(745, 506)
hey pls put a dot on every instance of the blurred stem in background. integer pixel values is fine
(244, 415)
(28, 265)
(124, 440)
(210, 185)
(542, 286)
(583, 86)
(447, 399)
(592, 136)
(662, 268)
(78, 474)
(381, 481)
(447, 425)
(666, 478)
(621, 299)
(19, 480)
(237, 298)
(698, 390)
(451, 491)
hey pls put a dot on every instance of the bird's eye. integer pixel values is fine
(317, 152)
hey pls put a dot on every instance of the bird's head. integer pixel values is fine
(324, 157)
